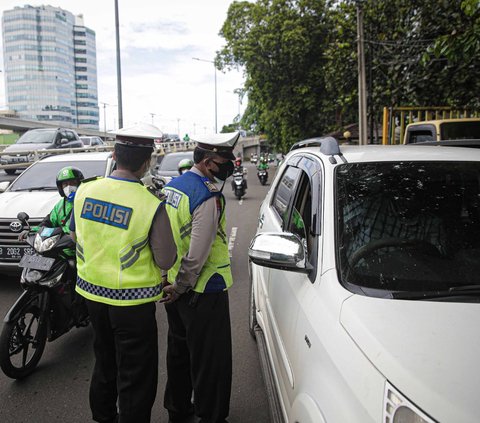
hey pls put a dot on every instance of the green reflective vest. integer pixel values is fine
(183, 195)
(114, 261)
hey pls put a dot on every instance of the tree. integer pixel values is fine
(300, 60)
(280, 44)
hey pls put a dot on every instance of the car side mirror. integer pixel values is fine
(283, 251)
(4, 185)
(23, 217)
(63, 141)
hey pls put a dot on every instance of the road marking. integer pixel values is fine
(231, 240)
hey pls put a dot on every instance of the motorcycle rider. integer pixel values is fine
(238, 168)
(68, 179)
(184, 165)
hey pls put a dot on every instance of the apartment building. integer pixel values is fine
(50, 66)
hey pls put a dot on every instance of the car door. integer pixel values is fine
(298, 213)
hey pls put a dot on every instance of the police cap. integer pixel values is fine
(221, 144)
(139, 135)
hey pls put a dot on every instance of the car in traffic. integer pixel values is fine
(23, 152)
(364, 295)
(443, 129)
(35, 192)
(166, 165)
(92, 141)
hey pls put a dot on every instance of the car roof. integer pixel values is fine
(394, 153)
(440, 121)
(180, 153)
(80, 157)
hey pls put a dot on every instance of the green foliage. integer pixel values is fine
(300, 60)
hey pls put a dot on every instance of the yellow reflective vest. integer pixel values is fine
(114, 261)
(183, 195)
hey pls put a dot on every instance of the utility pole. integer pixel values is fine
(362, 84)
(119, 71)
(152, 114)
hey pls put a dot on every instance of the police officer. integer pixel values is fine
(199, 354)
(123, 239)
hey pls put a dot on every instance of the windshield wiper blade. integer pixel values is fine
(453, 291)
(39, 189)
(465, 288)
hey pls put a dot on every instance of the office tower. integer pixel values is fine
(50, 66)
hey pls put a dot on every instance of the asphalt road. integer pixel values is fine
(58, 390)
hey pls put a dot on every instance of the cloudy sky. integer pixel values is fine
(158, 40)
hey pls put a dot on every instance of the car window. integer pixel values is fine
(170, 161)
(408, 226)
(284, 193)
(71, 136)
(43, 174)
(460, 130)
(37, 137)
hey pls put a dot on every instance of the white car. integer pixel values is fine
(35, 192)
(365, 294)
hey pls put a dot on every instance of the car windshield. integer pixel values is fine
(408, 226)
(460, 130)
(37, 137)
(170, 161)
(42, 176)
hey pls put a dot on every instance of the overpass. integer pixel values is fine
(245, 146)
(22, 125)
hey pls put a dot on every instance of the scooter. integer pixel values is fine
(262, 176)
(239, 184)
(48, 306)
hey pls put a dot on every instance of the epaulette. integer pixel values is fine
(156, 192)
(93, 178)
(210, 186)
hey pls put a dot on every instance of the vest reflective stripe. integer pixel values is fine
(132, 254)
(127, 294)
(80, 252)
(115, 263)
(183, 193)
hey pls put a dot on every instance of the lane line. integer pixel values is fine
(231, 240)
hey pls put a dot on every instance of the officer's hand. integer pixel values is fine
(23, 235)
(170, 295)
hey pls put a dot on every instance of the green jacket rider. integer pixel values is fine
(68, 179)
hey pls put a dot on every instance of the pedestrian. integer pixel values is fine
(123, 240)
(199, 353)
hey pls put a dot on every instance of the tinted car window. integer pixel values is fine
(460, 130)
(408, 226)
(170, 161)
(43, 175)
(284, 193)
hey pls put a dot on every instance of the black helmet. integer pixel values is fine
(68, 173)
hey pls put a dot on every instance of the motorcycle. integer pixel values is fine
(48, 306)
(239, 184)
(262, 176)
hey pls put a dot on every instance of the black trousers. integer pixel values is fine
(199, 357)
(126, 362)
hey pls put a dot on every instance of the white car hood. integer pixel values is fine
(430, 351)
(37, 204)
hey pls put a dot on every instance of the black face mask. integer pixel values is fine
(224, 170)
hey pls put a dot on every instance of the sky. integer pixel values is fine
(161, 83)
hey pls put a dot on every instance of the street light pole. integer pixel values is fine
(215, 79)
(119, 71)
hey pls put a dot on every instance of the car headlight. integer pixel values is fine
(398, 409)
(45, 245)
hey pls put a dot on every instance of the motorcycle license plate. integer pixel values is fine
(36, 262)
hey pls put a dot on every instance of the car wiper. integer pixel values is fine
(38, 189)
(465, 290)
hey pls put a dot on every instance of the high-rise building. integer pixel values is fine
(50, 66)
